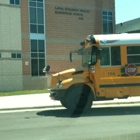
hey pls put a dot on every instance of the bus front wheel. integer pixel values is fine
(79, 99)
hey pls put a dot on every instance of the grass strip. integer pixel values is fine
(24, 92)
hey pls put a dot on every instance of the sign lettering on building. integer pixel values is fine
(71, 12)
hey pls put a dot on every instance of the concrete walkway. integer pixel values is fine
(27, 101)
(43, 101)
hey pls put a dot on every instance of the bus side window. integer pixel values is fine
(111, 56)
(105, 60)
(115, 56)
(133, 54)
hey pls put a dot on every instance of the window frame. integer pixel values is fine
(136, 54)
(14, 3)
(110, 57)
(86, 55)
(92, 50)
(36, 25)
(107, 20)
(37, 58)
(16, 54)
(37, 35)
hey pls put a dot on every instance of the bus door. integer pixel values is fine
(110, 73)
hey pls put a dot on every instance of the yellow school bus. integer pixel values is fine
(110, 69)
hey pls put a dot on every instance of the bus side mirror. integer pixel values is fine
(46, 69)
(71, 57)
(99, 53)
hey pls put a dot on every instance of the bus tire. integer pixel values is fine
(63, 102)
(79, 100)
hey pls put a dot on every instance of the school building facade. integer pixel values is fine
(35, 33)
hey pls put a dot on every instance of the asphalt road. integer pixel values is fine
(98, 124)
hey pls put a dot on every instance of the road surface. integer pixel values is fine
(98, 124)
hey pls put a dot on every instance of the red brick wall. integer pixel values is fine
(61, 28)
(25, 36)
(59, 59)
(24, 16)
(63, 33)
(69, 26)
(92, 3)
(59, 65)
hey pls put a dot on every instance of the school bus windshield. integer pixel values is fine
(89, 56)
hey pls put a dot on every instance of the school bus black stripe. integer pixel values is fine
(138, 74)
(119, 85)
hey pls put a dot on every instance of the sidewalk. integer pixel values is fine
(27, 101)
(43, 101)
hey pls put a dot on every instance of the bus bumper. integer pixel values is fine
(57, 94)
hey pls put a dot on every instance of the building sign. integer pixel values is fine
(131, 70)
(71, 12)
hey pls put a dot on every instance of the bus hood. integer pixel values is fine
(63, 75)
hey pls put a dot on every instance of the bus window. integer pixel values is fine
(133, 54)
(105, 60)
(111, 56)
(86, 59)
(115, 56)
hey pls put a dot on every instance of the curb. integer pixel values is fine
(57, 106)
(37, 107)
(118, 103)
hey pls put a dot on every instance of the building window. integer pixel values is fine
(107, 18)
(111, 56)
(36, 16)
(37, 35)
(16, 55)
(15, 2)
(133, 54)
(37, 57)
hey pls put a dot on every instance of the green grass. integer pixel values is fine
(24, 92)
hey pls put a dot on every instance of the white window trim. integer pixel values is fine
(36, 16)
(16, 56)
(107, 19)
(132, 55)
(38, 36)
(110, 60)
(14, 3)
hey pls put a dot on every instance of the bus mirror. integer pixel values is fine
(46, 69)
(99, 53)
(71, 57)
(82, 43)
(91, 39)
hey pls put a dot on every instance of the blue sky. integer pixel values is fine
(127, 10)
